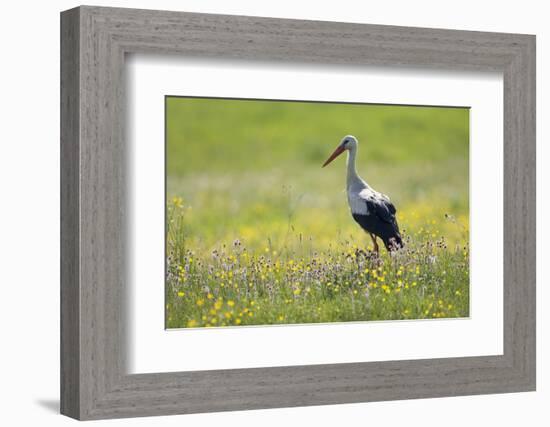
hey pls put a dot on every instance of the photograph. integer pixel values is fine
(307, 212)
(267, 213)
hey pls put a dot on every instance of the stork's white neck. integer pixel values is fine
(353, 180)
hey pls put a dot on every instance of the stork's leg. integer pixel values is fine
(375, 243)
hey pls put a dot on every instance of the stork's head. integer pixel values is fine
(349, 142)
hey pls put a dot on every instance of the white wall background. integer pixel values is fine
(29, 217)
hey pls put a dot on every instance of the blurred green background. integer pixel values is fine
(251, 170)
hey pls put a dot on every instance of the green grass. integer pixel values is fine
(235, 286)
(250, 171)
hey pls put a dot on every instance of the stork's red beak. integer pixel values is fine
(339, 150)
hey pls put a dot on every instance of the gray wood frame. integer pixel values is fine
(94, 41)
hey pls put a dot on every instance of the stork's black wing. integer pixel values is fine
(380, 221)
(385, 210)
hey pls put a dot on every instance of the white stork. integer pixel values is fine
(372, 210)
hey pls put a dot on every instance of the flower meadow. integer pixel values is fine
(233, 285)
(258, 233)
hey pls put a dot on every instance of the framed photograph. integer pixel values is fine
(261, 213)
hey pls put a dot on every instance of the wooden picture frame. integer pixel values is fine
(94, 382)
